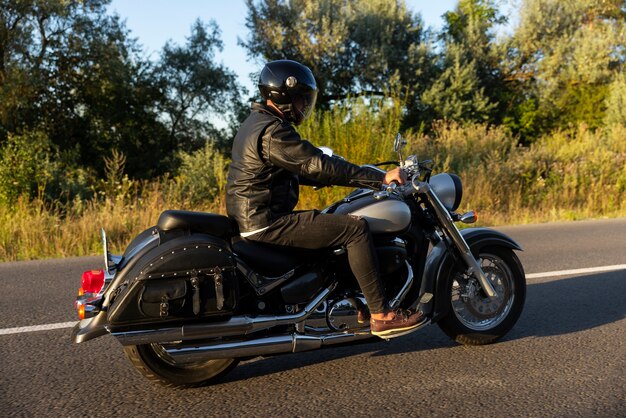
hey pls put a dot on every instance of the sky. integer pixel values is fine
(154, 22)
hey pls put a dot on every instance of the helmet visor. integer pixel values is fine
(304, 105)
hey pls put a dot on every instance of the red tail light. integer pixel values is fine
(92, 281)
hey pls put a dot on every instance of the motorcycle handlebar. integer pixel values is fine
(402, 190)
(391, 187)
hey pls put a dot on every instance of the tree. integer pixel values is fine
(195, 88)
(70, 71)
(457, 94)
(471, 85)
(567, 54)
(353, 47)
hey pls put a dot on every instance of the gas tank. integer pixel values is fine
(388, 215)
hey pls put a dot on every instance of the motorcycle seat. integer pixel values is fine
(206, 223)
(273, 260)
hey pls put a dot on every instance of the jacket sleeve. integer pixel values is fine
(286, 149)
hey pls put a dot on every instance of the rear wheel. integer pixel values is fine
(154, 362)
(476, 319)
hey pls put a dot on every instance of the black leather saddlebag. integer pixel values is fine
(190, 277)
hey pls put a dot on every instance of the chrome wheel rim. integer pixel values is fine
(472, 307)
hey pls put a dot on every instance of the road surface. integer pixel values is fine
(565, 357)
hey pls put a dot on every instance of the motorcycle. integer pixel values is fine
(189, 298)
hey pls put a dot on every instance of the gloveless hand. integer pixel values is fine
(397, 174)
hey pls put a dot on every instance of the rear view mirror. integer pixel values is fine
(397, 147)
(399, 143)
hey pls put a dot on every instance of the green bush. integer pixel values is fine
(616, 102)
(201, 178)
(27, 165)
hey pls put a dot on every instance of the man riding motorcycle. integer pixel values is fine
(269, 162)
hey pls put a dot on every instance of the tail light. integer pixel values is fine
(92, 281)
(80, 308)
(90, 296)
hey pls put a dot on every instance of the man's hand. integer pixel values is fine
(397, 174)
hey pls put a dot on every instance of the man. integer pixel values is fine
(270, 160)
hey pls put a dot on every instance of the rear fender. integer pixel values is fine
(437, 278)
(90, 328)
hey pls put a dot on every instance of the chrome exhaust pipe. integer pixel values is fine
(238, 325)
(281, 344)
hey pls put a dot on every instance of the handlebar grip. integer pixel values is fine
(392, 186)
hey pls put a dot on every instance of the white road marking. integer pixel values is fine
(46, 327)
(61, 325)
(576, 271)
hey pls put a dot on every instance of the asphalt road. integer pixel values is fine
(566, 356)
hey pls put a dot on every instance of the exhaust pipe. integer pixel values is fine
(262, 346)
(239, 325)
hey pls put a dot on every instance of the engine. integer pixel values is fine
(341, 314)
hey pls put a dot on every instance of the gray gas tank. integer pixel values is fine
(386, 216)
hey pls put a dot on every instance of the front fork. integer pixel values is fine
(473, 266)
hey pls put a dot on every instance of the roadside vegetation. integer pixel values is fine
(94, 135)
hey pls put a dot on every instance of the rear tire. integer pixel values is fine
(474, 319)
(153, 362)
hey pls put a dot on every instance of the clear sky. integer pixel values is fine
(154, 22)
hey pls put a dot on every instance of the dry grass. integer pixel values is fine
(34, 230)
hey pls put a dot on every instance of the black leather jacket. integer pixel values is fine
(270, 160)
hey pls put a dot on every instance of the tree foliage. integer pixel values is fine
(471, 85)
(68, 69)
(565, 55)
(195, 87)
(71, 71)
(352, 47)
(616, 102)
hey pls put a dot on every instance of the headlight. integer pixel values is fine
(448, 188)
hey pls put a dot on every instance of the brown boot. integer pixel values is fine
(402, 323)
(363, 316)
(363, 311)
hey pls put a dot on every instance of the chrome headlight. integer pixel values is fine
(448, 188)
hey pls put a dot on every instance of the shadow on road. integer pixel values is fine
(573, 305)
(552, 308)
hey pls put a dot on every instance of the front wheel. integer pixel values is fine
(154, 363)
(475, 319)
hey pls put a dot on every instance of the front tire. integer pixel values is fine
(154, 363)
(475, 319)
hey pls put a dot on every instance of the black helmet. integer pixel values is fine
(291, 87)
